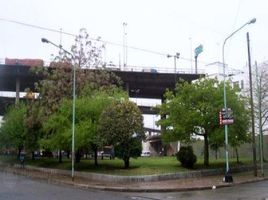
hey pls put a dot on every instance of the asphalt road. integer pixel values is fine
(252, 191)
(13, 187)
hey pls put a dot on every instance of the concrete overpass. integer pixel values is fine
(16, 78)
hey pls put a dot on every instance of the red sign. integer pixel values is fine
(226, 116)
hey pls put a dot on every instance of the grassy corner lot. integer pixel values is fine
(139, 166)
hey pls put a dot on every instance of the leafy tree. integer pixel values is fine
(58, 79)
(193, 110)
(12, 131)
(86, 52)
(217, 141)
(122, 125)
(32, 124)
(88, 111)
(260, 93)
(57, 130)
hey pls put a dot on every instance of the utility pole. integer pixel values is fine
(176, 56)
(259, 94)
(252, 110)
(124, 45)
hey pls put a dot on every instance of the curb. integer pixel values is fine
(126, 188)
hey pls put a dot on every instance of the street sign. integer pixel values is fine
(226, 116)
(198, 50)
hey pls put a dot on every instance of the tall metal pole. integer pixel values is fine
(252, 110)
(175, 70)
(176, 56)
(74, 98)
(195, 59)
(124, 44)
(228, 176)
(73, 122)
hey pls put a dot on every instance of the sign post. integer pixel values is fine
(197, 51)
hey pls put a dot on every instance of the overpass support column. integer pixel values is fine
(164, 146)
(17, 90)
(127, 88)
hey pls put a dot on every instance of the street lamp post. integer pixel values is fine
(176, 56)
(228, 176)
(73, 111)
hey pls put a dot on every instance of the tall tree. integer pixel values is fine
(12, 131)
(122, 125)
(58, 79)
(88, 111)
(193, 110)
(260, 92)
(87, 53)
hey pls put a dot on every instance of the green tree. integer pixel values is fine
(58, 79)
(32, 126)
(260, 97)
(12, 131)
(193, 110)
(88, 111)
(122, 125)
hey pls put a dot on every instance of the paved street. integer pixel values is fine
(14, 187)
(18, 187)
(252, 191)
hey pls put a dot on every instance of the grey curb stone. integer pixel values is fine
(133, 179)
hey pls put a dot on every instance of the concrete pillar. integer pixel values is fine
(127, 88)
(17, 90)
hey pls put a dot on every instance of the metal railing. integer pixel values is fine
(134, 68)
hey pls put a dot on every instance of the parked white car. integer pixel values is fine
(146, 154)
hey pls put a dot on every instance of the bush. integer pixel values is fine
(186, 157)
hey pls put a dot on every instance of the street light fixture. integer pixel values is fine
(228, 177)
(44, 40)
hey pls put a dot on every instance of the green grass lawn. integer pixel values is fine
(139, 166)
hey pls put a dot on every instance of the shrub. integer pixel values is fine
(186, 157)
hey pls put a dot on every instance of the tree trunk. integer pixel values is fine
(96, 156)
(77, 156)
(33, 155)
(126, 162)
(19, 152)
(206, 150)
(237, 156)
(68, 154)
(60, 156)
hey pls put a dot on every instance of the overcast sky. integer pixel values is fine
(164, 26)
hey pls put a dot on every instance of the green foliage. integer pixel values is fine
(122, 124)
(12, 131)
(186, 156)
(193, 110)
(134, 146)
(88, 110)
(58, 80)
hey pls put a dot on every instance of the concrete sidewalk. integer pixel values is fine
(185, 184)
